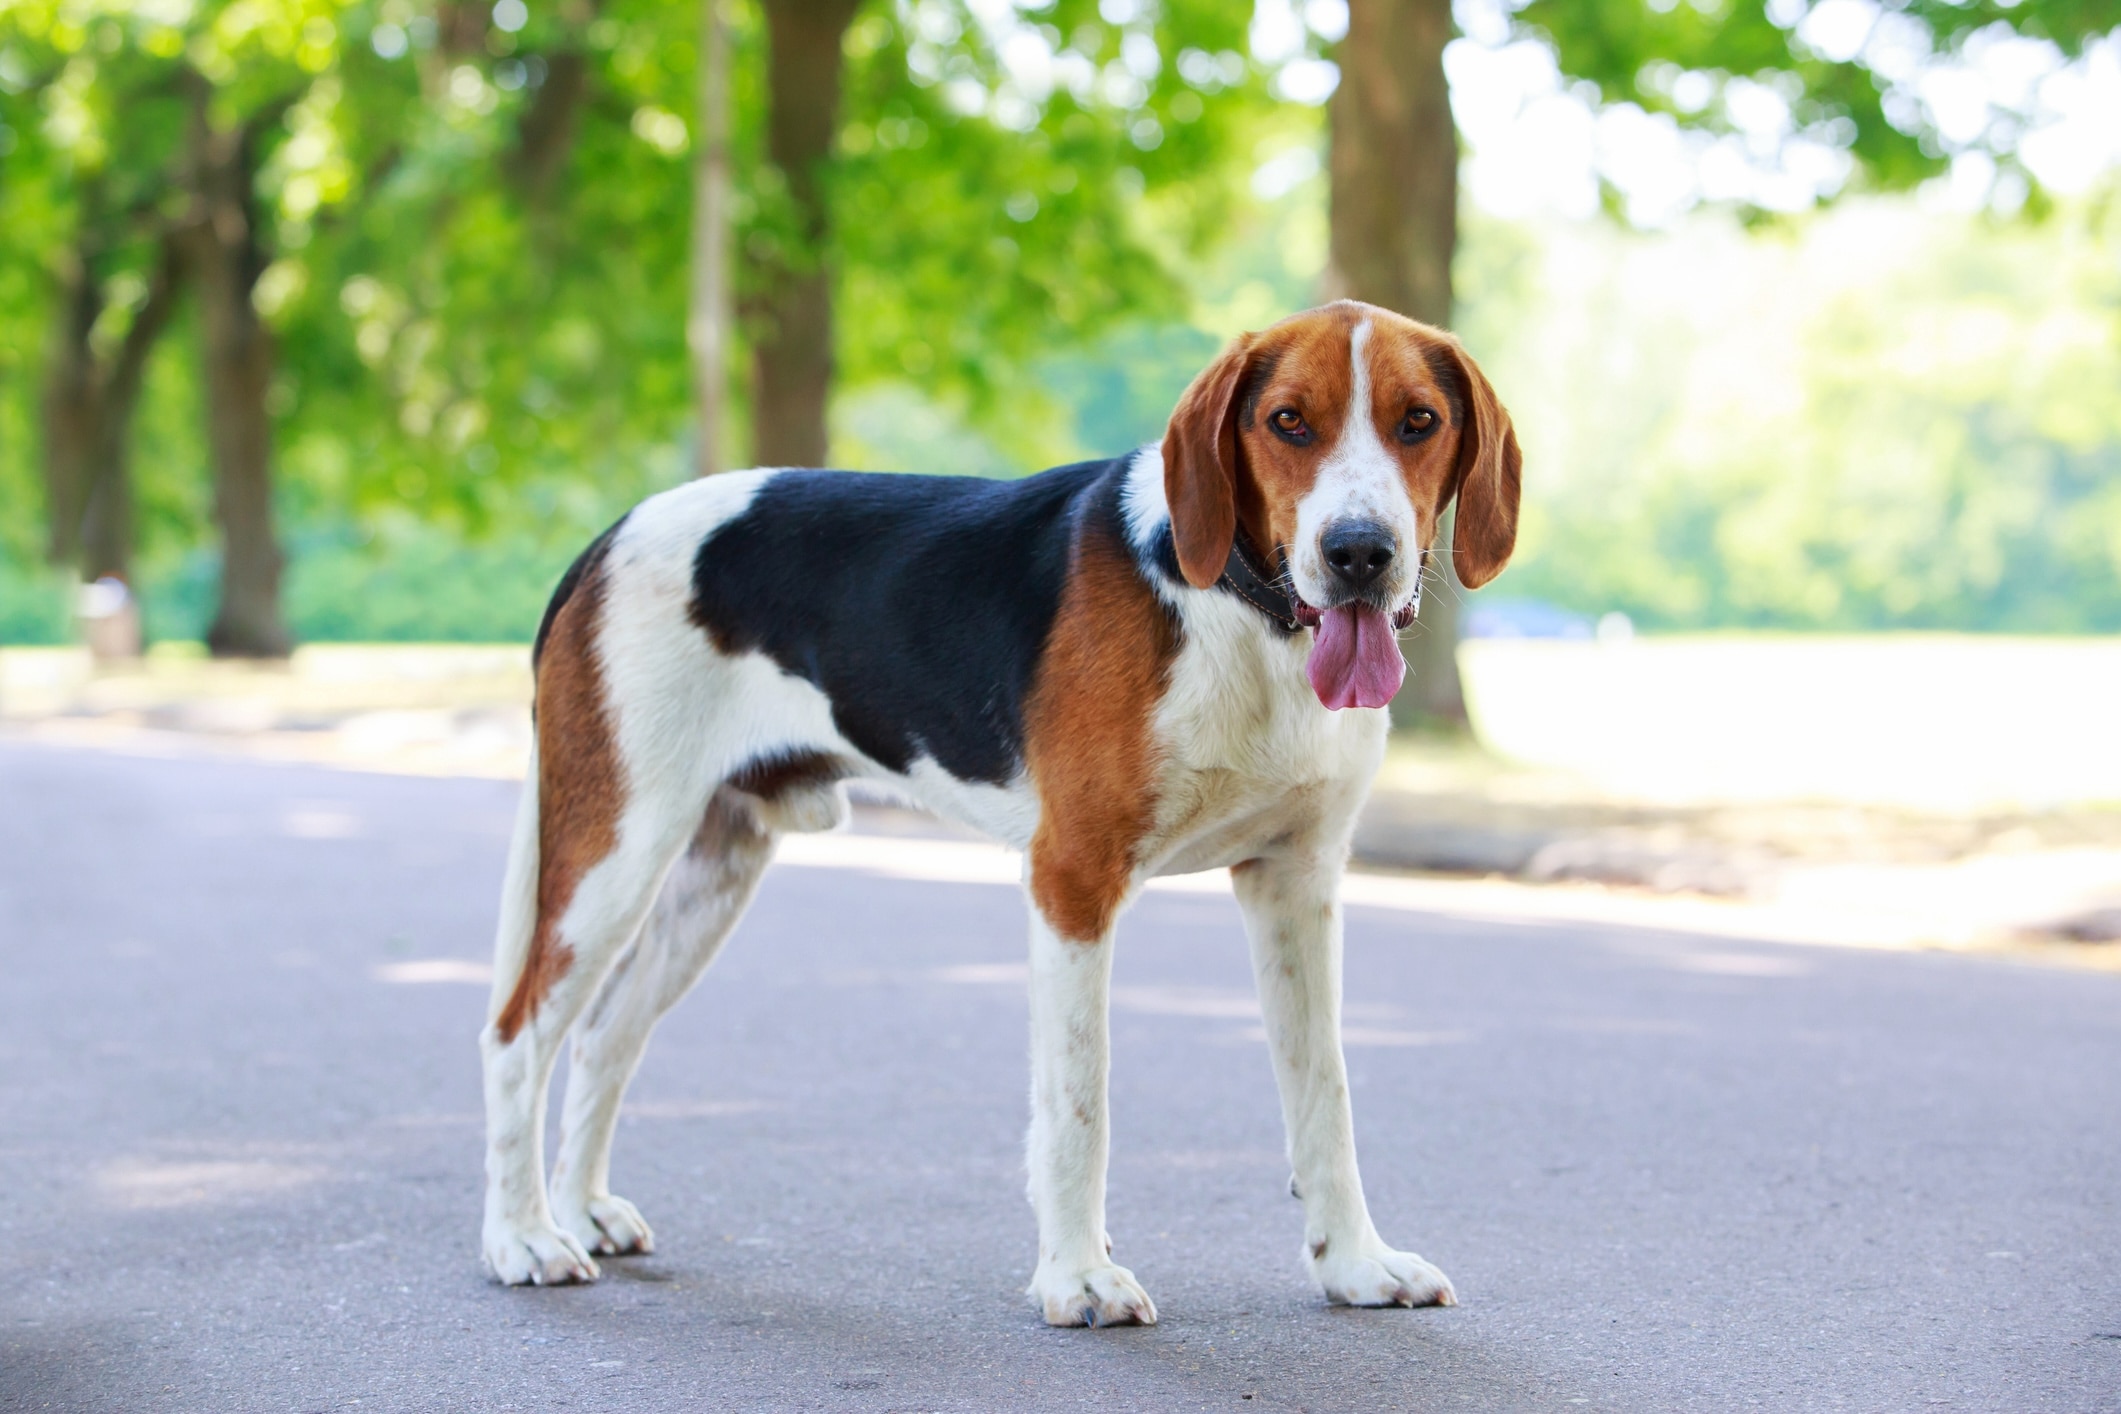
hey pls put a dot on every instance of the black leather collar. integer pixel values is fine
(1246, 575)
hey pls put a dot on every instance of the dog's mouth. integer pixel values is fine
(1355, 659)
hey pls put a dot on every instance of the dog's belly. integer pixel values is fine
(1004, 813)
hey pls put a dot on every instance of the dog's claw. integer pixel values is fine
(607, 1226)
(1098, 1296)
(1380, 1277)
(536, 1256)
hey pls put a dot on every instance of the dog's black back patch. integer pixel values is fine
(918, 604)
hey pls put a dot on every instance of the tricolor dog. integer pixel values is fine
(1173, 661)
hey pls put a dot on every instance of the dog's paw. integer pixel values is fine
(1103, 1295)
(535, 1256)
(607, 1225)
(1375, 1275)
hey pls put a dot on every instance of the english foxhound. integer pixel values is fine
(1172, 661)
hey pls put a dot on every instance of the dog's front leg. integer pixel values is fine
(1076, 1283)
(1292, 915)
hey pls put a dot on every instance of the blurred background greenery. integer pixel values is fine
(1809, 311)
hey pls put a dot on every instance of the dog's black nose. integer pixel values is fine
(1358, 551)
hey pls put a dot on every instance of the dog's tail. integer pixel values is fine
(519, 898)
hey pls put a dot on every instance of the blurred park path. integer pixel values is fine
(449, 710)
(1928, 791)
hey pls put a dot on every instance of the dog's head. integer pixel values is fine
(1335, 440)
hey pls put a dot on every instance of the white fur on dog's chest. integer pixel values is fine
(1252, 762)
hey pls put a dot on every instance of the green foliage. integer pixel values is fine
(21, 298)
(417, 584)
(489, 337)
(35, 604)
(1636, 51)
(480, 338)
(1886, 420)
(457, 342)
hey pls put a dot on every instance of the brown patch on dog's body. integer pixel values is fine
(581, 785)
(1087, 735)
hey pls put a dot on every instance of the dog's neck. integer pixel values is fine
(1248, 575)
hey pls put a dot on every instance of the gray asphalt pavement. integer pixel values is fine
(242, 1167)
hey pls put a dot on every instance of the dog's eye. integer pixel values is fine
(1419, 424)
(1290, 424)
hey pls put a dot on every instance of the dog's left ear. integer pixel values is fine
(1200, 466)
(1490, 475)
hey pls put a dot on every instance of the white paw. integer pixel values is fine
(1103, 1295)
(608, 1226)
(535, 1256)
(1375, 1275)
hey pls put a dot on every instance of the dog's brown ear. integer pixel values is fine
(1490, 474)
(1200, 466)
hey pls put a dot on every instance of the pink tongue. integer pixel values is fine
(1355, 662)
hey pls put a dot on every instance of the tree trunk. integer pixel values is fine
(71, 406)
(109, 535)
(1393, 164)
(225, 257)
(792, 352)
(88, 408)
(707, 321)
(550, 122)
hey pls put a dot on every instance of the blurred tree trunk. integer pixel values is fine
(224, 258)
(72, 407)
(707, 321)
(1393, 164)
(792, 352)
(550, 122)
(460, 28)
(90, 396)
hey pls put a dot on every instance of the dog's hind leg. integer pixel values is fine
(573, 948)
(622, 773)
(705, 894)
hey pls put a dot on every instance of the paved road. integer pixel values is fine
(1665, 1173)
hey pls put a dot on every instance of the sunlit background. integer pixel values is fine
(1741, 407)
(1821, 418)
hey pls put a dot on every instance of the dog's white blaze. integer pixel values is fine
(1358, 479)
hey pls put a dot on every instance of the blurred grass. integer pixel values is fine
(418, 584)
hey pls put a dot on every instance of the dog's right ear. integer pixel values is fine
(1200, 466)
(1490, 479)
